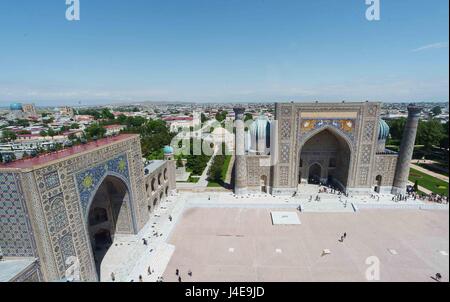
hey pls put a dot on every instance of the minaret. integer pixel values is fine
(406, 150)
(240, 165)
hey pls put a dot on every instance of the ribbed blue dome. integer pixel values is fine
(260, 131)
(15, 106)
(168, 150)
(383, 130)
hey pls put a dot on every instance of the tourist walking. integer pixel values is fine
(149, 271)
(113, 277)
(140, 278)
(177, 272)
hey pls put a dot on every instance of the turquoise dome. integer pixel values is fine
(260, 131)
(168, 150)
(15, 106)
(383, 130)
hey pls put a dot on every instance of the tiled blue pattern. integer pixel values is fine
(86, 188)
(15, 235)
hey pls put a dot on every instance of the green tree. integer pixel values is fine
(248, 116)
(95, 130)
(106, 114)
(51, 132)
(203, 118)
(122, 119)
(9, 135)
(396, 128)
(436, 110)
(429, 133)
(23, 123)
(221, 115)
(74, 126)
(154, 136)
(444, 140)
(179, 162)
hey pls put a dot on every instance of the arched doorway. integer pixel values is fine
(109, 214)
(378, 183)
(263, 183)
(315, 173)
(325, 156)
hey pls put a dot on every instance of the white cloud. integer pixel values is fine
(432, 46)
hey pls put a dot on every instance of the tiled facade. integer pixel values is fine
(353, 124)
(43, 208)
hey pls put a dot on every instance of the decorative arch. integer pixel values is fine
(304, 138)
(342, 138)
(129, 201)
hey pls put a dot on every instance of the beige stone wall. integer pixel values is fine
(158, 184)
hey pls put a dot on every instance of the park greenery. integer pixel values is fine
(430, 133)
(429, 182)
(218, 170)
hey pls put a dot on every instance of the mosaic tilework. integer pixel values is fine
(58, 210)
(67, 248)
(88, 180)
(365, 154)
(285, 152)
(346, 127)
(285, 129)
(51, 180)
(15, 235)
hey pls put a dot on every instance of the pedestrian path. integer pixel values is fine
(129, 257)
(431, 173)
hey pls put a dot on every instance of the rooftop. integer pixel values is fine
(49, 157)
(9, 269)
(154, 164)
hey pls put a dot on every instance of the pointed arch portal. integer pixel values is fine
(325, 157)
(109, 213)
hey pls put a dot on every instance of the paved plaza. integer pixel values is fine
(241, 244)
(223, 237)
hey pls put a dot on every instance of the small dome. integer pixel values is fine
(168, 150)
(15, 106)
(383, 131)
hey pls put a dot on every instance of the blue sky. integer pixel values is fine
(223, 51)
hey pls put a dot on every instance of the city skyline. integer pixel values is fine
(223, 51)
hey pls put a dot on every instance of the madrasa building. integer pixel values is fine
(60, 212)
(342, 144)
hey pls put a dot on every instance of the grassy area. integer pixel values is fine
(226, 163)
(223, 171)
(431, 183)
(213, 184)
(435, 168)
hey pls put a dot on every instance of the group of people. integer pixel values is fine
(433, 197)
(177, 272)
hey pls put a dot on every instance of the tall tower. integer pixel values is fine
(406, 150)
(240, 170)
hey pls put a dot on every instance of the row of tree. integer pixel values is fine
(429, 133)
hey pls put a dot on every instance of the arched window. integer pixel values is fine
(153, 184)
